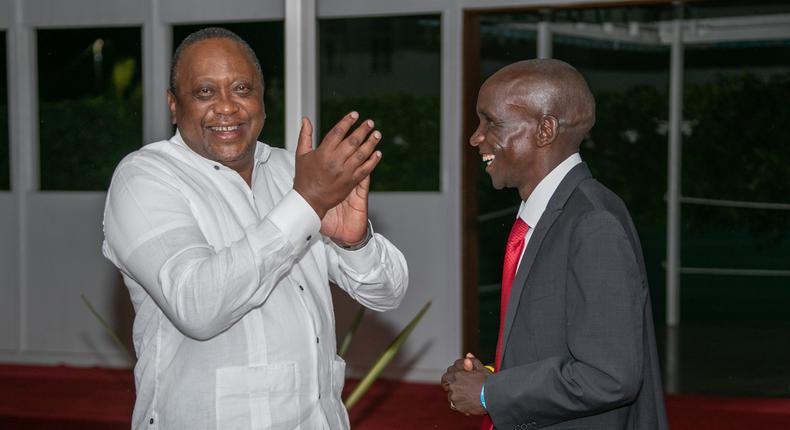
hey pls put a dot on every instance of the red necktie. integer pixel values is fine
(515, 244)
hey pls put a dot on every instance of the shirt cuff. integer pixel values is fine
(360, 260)
(296, 219)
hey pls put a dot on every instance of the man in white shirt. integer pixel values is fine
(576, 343)
(228, 246)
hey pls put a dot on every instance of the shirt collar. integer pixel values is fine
(532, 209)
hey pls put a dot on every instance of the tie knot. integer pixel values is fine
(518, 230)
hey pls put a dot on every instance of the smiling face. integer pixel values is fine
(218, 102)
(505, 136)
(533, 115)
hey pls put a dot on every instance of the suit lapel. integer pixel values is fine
(553, 210)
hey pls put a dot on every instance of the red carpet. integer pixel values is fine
(67, 398)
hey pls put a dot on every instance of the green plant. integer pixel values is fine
(384, 359)
(350, 333)
(106, 326)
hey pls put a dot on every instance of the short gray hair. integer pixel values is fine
(205, 34)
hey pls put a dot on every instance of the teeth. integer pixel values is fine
(226, 128)
(488, 158)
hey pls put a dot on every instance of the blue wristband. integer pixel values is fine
(483, 397)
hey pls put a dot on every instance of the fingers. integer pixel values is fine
(448, 378)
(458, 364)
(338, 133)
(357, 137)
(363, 152)
(472, 363)
(468, 365)
(367, 167)
(305, 143)
(357, 147)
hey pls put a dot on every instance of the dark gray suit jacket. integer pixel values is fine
(579, 349)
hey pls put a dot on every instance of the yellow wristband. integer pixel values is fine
(490, 368)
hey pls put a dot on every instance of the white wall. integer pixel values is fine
(65, 261)
(9, 278)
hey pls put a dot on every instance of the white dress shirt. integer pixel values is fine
(234, 326)
(532, 209)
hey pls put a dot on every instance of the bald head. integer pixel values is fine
(549, 87)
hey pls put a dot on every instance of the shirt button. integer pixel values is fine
(216, 167)
(301, 288)
(151, 421)
(309, 237)
(317, 340)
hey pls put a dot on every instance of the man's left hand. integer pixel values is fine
(347, 223)
(463, 382)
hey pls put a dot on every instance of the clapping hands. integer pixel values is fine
(334, 178)
(463, 382)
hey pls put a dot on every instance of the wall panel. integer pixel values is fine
(9, 275)
(179, 11)
(65, 261)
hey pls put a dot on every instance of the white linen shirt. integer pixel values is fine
(234, 326)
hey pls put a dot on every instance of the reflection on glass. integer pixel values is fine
(266, 39)
(5, 166)
(735, 147)
(90, 104)
(387, 69)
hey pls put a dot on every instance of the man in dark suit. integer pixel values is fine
(576, 344)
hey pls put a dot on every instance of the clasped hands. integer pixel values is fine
(463, 382)
(334, 178)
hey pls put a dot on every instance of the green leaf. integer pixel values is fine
(383, 360)
(350, 333)
(106, 326)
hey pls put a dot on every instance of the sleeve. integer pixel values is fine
(375, 275)
(605, 302)
(153, 236)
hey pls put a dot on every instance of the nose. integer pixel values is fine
(225, 105)
(477, 138)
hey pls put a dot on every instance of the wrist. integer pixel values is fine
(321, 212)
(358, 245)
(483, 397)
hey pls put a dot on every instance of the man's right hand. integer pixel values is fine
(463, 382)
(325, 176)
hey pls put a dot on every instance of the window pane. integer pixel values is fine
(389, 70)
(266, 39)
(90, 104)
(626, 66)
(5, 165)
(735, 147)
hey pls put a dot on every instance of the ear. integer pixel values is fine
(171, 103)
(548, 128)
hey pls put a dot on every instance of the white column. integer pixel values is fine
(674, 173)
(300, 68)
(23, 134)
(157, 51)
(545, 41)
